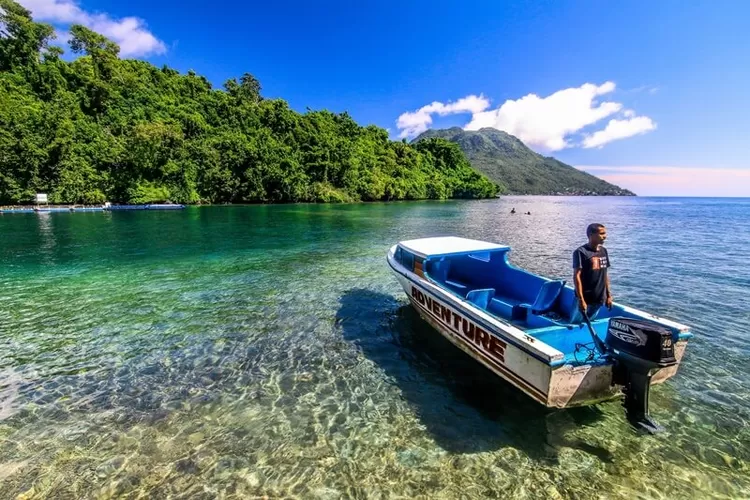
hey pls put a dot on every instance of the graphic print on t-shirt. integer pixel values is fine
(593, 265)
(599, 262)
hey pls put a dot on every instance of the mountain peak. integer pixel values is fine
(505, 159)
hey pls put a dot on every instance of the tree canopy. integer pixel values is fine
(100, 128)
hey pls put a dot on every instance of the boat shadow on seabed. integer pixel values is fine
(464, 406)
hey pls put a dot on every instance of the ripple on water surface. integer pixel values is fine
(247, 351)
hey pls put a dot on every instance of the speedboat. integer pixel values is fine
(529, 330)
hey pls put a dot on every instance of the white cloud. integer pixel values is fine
(130, 33)
(676, 181)
(651, 89)
(549, 123)
(619, 129)
(416, 122)
(546, 122)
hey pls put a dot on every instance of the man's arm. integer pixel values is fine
(579, 288)
(577, 264)
(608, 300)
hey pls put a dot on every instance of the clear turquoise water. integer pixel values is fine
(234, 352)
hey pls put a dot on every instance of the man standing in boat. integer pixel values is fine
(590, 263)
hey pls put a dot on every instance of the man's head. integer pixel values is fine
(597, 233)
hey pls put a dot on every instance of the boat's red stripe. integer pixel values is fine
(536, 393)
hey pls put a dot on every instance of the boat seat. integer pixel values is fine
(481, 297)
(545, 298)
(438, 269)
(502, 307)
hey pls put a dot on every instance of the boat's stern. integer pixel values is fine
(679, 351)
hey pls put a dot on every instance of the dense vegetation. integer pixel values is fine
(506, 160)
(102, 128)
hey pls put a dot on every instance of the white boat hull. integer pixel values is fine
(531, 366)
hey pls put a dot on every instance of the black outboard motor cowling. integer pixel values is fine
(641, 348)
(646, 340)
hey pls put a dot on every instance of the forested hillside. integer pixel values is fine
(505, 159)
(99, 128)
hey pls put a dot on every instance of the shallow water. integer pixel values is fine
(233, 352)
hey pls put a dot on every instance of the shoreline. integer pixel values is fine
(80, 206)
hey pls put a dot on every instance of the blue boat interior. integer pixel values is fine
(545, 309)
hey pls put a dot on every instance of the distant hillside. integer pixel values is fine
(506, 160)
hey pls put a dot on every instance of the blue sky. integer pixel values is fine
(672, 76)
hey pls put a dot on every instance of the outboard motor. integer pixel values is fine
(640, 348)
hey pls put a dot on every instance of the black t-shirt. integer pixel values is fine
(593, 265)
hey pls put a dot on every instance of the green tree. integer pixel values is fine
(84, 40)
(21, 39)
(247, 90)
(103, 128)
